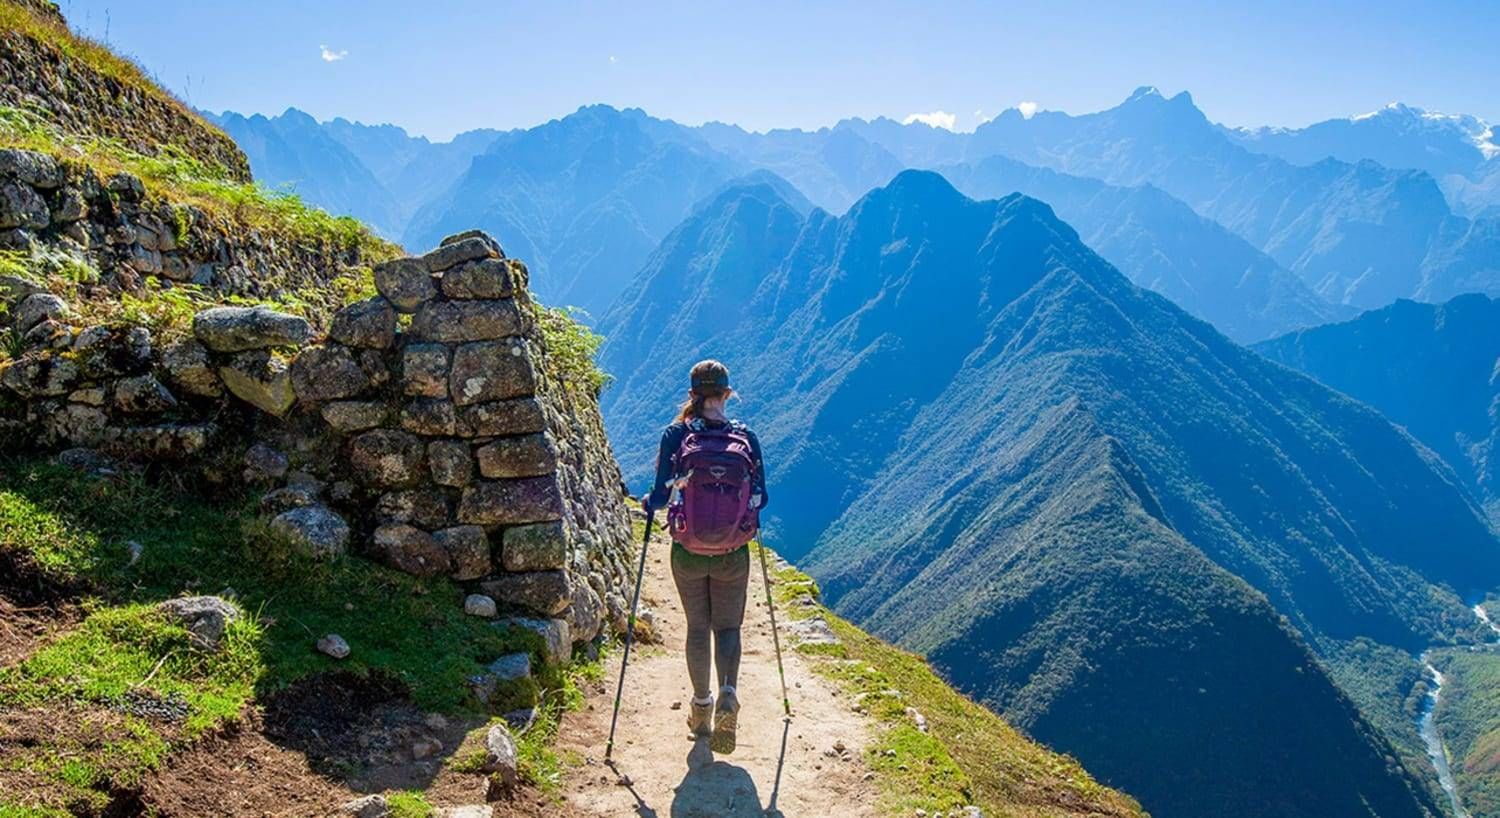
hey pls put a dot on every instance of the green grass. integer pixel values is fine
(408, 805)
(75, 529)
(114, 652)
(968, 756)
(96, 56)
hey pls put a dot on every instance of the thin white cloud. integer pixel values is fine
(980, 118)
(1028, 109)
(612, 59)
(329, 55)
(937, 119)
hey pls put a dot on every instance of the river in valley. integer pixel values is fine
(1427, 722)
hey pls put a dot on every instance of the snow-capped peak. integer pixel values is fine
(1406, 116)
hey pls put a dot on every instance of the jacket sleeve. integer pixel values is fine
(661, 490)
(758, 482)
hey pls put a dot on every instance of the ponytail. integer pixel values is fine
(710, 379)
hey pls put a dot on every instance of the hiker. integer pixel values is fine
(715, 465)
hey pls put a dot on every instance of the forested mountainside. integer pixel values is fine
(1140, 475)
(1433, 368)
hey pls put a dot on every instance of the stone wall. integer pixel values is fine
(129, 235)
(92, 91)
(429, 429)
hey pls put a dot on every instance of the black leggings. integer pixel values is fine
(713, 593)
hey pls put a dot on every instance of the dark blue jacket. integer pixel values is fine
(671, 441)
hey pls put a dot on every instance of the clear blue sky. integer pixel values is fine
(442, 66)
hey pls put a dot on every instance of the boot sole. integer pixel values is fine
(723, 739)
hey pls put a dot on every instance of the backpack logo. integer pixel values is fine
(711, 514)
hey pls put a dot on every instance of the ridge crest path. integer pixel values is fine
(671, 775)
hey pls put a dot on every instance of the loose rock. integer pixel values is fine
(317, 531)
(205, 617)
(500, 754)
(479, 605)
(334, 645)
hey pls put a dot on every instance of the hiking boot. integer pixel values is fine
(726, 719)
(699, 716)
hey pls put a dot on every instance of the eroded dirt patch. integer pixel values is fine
(66, 756)
(33, 606)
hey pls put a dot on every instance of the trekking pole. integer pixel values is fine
(635, 600)
(765, 573)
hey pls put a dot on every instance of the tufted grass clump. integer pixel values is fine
(573, 346)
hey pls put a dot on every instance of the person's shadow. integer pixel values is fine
(718, 789)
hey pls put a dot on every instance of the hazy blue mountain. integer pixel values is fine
(1087, 508)
(832, 166)
(1433, 368)
(583, 199)
(1397, 136)
(1359, 234)
(1160, 243)
(293, 152)
(916, 144)
(413, 168)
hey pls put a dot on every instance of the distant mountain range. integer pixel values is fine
(1088, 509)
(1284, 238)
(1433, 368)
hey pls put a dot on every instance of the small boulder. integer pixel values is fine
(484, 279)
(318, 532)
(237, 329)
(534, 547)
(484, 371)
(459, 321)
(370, 806)
(39, 307)
(523, 456)
(424, 370)
(387, 458)
(546, 592)
(355, 416)
(188, 367)
(260, 379)
(21, 206)
(556, 638)
(370, 324)
(405, 282)
(511, 666)
(468, 550)
(479, 605)
(142, 394)
(264, 464)
(459, 250)
(329, 372)
(205, 617)
(410, 549)
(32, 167)
(450, 463)
(500, 754)
(334, 645)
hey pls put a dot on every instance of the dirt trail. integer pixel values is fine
(672, 775)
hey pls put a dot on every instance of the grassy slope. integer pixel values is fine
(76, 529)
(182, 124)
(968, 755)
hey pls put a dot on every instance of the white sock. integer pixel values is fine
(703, 701)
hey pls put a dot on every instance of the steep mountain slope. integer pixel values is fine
(292, 152)
(1161, 244)
(413, 168)
(1358, 233)
(584, 198)
(1058, 486)
(1434, 369)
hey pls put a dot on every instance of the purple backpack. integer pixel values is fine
(715, 475)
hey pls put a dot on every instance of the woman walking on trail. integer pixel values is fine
(715, 465)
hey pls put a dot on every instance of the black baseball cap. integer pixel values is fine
(716, 380)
